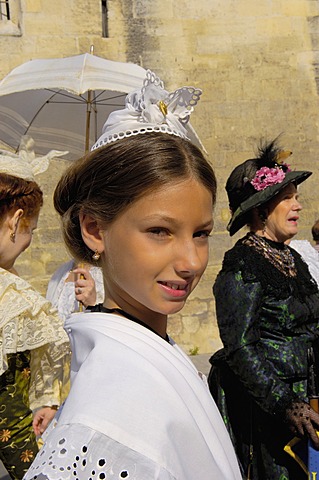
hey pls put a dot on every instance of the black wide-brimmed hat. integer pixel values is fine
(257, 180)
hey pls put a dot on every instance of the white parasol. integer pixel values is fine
(63, 103)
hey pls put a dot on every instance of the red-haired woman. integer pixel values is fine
(33, 345)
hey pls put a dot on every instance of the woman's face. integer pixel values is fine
(283, 214)
(156, 251)
(11, 248)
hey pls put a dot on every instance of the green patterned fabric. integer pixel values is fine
(18, 446)
(267, 320)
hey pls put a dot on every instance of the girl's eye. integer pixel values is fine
(159, 231)
(202, 234)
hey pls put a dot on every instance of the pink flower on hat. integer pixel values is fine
(265, 177)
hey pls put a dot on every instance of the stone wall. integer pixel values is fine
(257, 63)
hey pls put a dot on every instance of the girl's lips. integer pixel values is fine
(174, 289)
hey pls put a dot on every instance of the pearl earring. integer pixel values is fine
(96, 256)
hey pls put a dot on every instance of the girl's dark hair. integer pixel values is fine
(18, 193)
(106, 181)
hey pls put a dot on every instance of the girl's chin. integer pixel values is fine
(172, 308)
(176, 309)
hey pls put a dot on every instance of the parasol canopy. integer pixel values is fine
(62, 103)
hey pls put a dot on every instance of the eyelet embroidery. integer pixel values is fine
(99, 469)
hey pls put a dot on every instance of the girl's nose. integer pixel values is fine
(190, 258)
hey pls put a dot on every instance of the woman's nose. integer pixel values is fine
(297, 205)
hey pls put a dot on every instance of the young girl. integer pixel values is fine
(140, 207)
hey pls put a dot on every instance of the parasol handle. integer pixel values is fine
(88, 121)
(81, 265)
(88, 114)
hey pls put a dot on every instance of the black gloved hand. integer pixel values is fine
(303, 421)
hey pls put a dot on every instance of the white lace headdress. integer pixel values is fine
(153, 109)
(25, 164)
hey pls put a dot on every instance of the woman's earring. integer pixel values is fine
(12, 237)
(96, 256)
(264, 225)
(263, 218)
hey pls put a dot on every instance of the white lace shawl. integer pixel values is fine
(137, 410)
(29, 322)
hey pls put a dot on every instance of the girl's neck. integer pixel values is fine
(157, 323)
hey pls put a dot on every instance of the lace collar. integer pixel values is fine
(277, 253)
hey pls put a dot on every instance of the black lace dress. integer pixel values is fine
(267, 307)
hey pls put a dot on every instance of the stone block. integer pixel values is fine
(33, 6)
(159, 10)
(294, 8)
(191, 323)
(175, 325)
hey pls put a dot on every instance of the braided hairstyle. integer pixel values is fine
(18, 193)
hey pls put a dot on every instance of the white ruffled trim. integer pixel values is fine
(25, 164)
(137, 131)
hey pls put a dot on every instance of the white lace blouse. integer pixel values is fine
(29, 322)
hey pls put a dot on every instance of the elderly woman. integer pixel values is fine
(267, 307)
(33, 344)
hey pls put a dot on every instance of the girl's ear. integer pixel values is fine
(14, 220)
(91, 233)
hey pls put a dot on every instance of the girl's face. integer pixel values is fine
(156, 251)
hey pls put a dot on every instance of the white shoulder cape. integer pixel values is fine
(138, 401)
